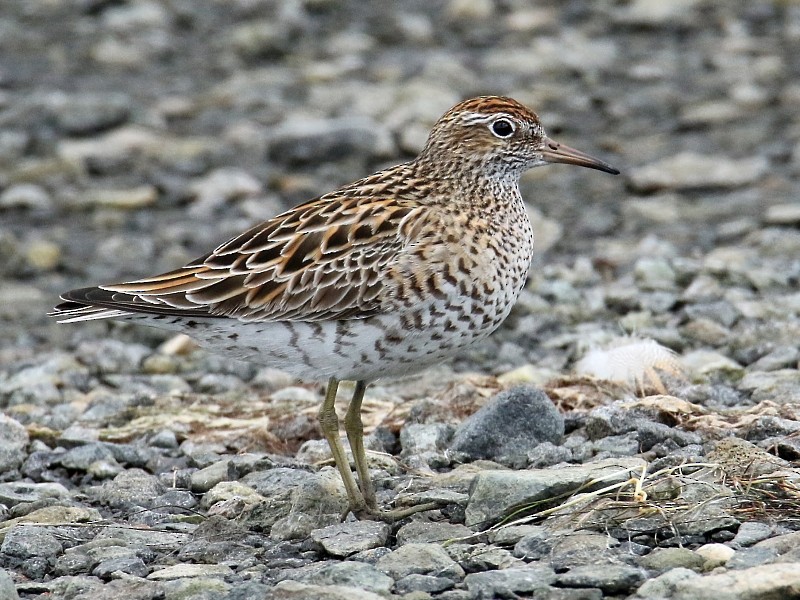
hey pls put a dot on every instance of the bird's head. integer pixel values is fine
(500, 135)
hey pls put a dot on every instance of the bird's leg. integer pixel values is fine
(329, 423)
(355, 435)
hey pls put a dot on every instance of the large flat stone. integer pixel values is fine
(495, 492)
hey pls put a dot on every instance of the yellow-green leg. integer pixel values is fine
(329, 423)
(355, 435)
(354, 428)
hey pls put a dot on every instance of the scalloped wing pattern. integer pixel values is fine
(325, 259)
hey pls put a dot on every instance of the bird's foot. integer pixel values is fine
(396, 514)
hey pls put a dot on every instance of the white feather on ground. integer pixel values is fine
(630, 361)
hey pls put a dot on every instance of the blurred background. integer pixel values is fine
(137, 134)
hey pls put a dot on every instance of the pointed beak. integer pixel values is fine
(559, 153)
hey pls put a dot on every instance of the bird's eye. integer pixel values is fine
(502, 128)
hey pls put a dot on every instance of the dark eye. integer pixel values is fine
(502, 128)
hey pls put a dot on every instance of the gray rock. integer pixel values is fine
(372, 556)
(664, 559)
(295, 590)
(422, 583)
(509, 426)
(165, 438)
(261, 516)
(261, 38)
(162, 541)
(130, 565)
(547, 454)
(425, 559)
(771, 426)
(422, 531)
(787, 545)
(89, 114)
(18, 492)
(509, 582)
(653, 273)
(534, 545)
(206, 478)
(611, 579)
(13, 440)
(74, 561)
(439, 495)
(196, 586)
(558, 593)
(705, 517)
(751, 532)
(763, 582)
(657, 15)
(425, 438)
(134, 455)
(665, 585)
(301, 141)
(348, 538)
(512, 534)
(148, 385)
(495, 492)
(112, 356)
(690, 171)
(475, 558)
(94, 457)
(781, 386)
(132, 486)
(13, 144)
(232, 495)
(299, 525)
(783, 214)
(577, 549)
(184, 570)
(651, 433)
(79, 586)
(315, 503)
(626, 444)
(126, 588)
(248, 591)
(174, 499)
(220, 186)
(215, 383)
(7, 589)
(753, 556)
(349, 573)
(722, 312)
(605, 421)
(26, 195)
(27, 541)
(277, 482)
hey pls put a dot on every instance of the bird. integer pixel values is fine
(382, 277)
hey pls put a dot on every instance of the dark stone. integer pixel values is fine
(534, 546)
(611, 579)
(652, 433)
(422, 583)
(510, 426)
(130, 565)
(508, 582)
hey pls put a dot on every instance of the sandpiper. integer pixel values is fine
(384, 276)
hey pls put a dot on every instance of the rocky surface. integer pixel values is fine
(136, 134)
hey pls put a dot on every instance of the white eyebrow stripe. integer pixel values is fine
(473, 118)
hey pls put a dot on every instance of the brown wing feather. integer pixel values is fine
(325, 259)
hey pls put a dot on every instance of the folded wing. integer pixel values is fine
(323, 260)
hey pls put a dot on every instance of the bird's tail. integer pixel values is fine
(73, 312)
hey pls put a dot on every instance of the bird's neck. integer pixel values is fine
(467, 182)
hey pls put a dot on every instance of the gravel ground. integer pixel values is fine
(661, 318)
